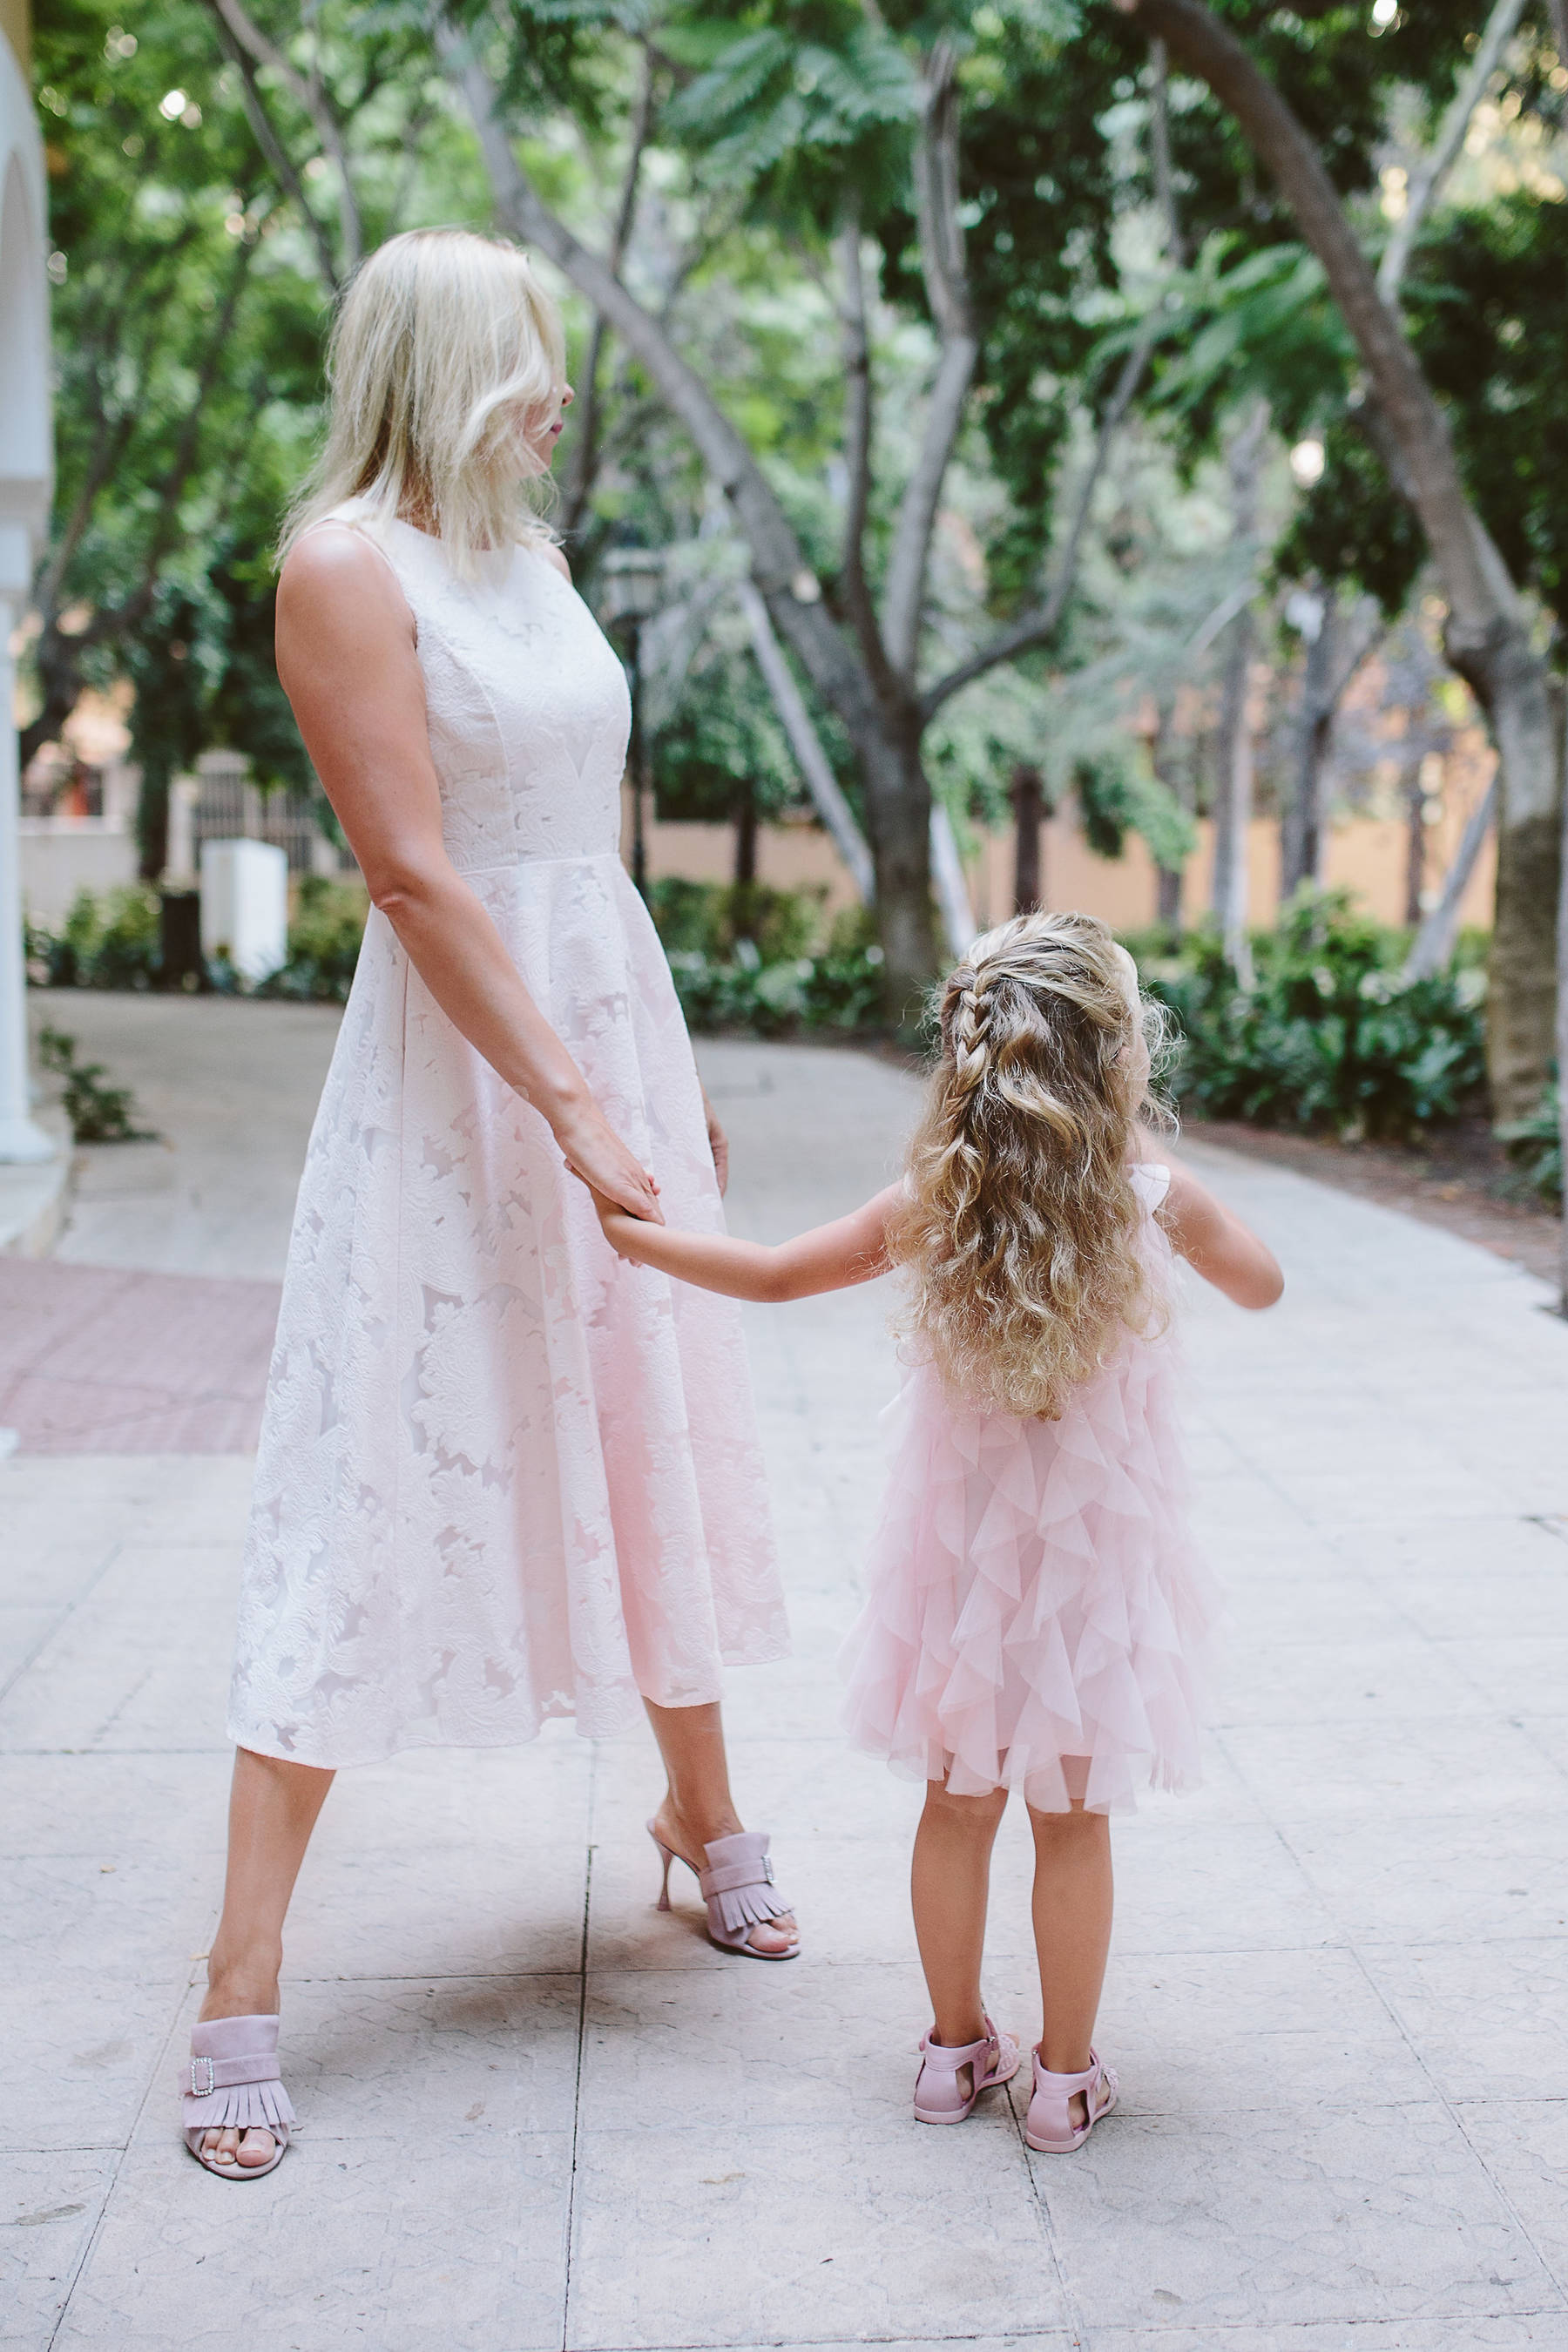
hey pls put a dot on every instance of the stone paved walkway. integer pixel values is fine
(540, 2114)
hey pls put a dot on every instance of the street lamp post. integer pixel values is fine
(634, 585)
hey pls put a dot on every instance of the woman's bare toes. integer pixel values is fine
(774, 1934)
(257, 2148)
(223, 2146)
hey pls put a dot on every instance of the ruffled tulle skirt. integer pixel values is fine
(1038, 1615)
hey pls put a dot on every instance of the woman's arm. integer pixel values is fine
(831, 1258)
(1215, 1243)
(347, 661)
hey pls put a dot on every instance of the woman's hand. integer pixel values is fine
(717, 1144)
(595, 1154)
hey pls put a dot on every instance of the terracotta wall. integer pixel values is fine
(1366, 853)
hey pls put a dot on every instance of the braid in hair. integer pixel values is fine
(1020, 1228)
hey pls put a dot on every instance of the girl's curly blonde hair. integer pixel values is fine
(1019, 1223)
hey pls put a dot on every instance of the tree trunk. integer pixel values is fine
(1486, 636)
(897, 817)
(1233, 797)
(1511, 687)
(1415, 846)
(153, 822)
(1178, 782)
(745, 836)
(1027, 793)
(1302, 847)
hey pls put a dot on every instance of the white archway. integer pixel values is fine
(25, 483)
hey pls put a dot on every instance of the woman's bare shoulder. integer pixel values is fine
(335, 579)
(553, 556)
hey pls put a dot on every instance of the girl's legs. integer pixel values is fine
(697, 1806)
(1072, 1932)
(950, 1878)
(272, 1808)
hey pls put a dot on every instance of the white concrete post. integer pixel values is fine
(20, 1137)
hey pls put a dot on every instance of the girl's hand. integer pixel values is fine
(597, 1156)
(717, 1144)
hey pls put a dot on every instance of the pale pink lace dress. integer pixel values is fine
(501, 1474)
(1036, 1613)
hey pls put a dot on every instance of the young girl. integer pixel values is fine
(1036, 1610)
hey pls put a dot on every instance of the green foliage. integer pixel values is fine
(1329, 1036)
(98, 1113)
(711, 919)
(743, 957)
(108, 941)
(1535, 1147)
(1487, 301)
(323, 942)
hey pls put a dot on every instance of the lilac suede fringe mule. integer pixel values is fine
(231, 2082)
(737, 1887)
(940, 2097)
(1049, 2129)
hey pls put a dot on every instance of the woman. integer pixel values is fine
(502, 1477)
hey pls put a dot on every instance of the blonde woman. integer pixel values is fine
(1036, 1610)
(501, 1477)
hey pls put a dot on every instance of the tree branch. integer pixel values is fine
(1428, 179)
(1038, 624)
(311, 98)
(857, 424)
(947, 290)
(1159, 146)
(778, 562)
(585, 442)
(1434, 943)
(806, 744)
(1208, 48)
(274, 150)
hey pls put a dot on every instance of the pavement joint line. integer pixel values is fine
(577, 2075)
(116, 1547)
(1451, 2109)
(121, 2152)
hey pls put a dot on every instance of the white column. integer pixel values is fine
(20, 1139)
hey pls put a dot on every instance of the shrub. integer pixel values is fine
(324, 939)
(1329, 1035)
(1535, 1147)
(112, 941)
(712, 919)
(98, 1114)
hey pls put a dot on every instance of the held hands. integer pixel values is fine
(597, 1156)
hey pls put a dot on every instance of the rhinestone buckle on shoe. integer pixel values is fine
(203, 2089)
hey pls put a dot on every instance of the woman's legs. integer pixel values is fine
(950, 1878)
(1072, 1907)
(272, 1808)
(697, 1806)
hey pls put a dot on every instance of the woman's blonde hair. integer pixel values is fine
(1019, 1224)
(444, 347)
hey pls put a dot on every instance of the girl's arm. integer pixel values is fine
(831, 1258)
(1215, 1243)
(347, 661)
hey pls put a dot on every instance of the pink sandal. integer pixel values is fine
(737, 1887)
(1049, 2129)
(231, 2082)
(991, 2060)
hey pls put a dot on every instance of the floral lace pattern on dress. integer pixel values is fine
(501, 1474)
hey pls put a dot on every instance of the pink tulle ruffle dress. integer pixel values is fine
(1037, 1613)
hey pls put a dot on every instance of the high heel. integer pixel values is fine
(737, 1888)
(231, 2082)
(1049, 2129)
(993, 2060)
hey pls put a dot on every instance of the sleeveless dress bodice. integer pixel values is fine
(501, 1476)
(526, 704)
